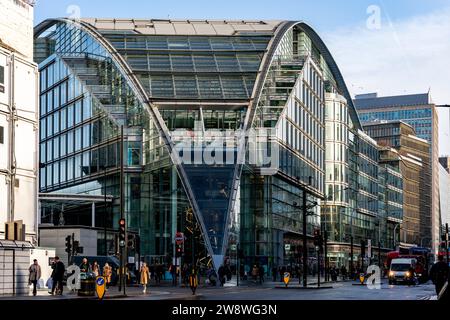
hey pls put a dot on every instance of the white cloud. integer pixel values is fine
(402, 57)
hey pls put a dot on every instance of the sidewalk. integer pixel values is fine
(166, 291)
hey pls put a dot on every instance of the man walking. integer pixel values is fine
(58, 276)
(35, 275)
(439, 274)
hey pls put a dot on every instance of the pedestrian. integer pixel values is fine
(35, 275)
(158, 273)
(58, 276)
(228, 273)
(96, 269)
(107, 273)
(211, 277)
(145, 276)
(255, 273)
(221, 272)
(261, 274)
(152, 272)
(282, 272)
(84, 266)
(185, 274)
(274, 273)
(439, 274)
(344, 273)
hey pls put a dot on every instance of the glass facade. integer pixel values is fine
(176, 90)
(350, 210)
(410, 156)
(421, 119)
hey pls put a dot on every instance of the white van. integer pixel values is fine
(403, 270)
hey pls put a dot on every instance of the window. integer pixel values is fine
(2, 79)
(134, 156)
(2, 135)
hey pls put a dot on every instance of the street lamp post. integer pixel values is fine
(305, 240)
(305, 250)
(351, 254)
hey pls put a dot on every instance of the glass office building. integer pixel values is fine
(411, 156)
(419, 111)
(203, 105)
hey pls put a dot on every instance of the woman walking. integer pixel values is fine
(96, 269)
(107, 272)
(145, 276)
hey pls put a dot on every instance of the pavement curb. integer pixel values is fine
(303, 288)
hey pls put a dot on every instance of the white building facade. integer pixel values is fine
(18, 118)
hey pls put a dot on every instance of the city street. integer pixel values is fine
(347, 290)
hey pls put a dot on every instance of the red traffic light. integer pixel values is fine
(122, 222)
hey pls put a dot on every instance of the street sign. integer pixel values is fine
(179, 238)
(100, 284)
(361, 278)
(369, 248)
(286, 278)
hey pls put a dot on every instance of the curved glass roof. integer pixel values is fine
(184, 27)
(191, 60)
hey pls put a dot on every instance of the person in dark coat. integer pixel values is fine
(439, 274)
(58, 276)
(274, 273)
(221, 272)
(261, 274)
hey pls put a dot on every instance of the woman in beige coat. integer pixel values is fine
(145, 276)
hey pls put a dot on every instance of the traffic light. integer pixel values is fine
(130, 241)
(320, 244)
(363, 248)
(316, 237)
(69, 244)
(76, 247)
(179, 249)
(122, 232)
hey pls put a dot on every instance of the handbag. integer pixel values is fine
(49, 283)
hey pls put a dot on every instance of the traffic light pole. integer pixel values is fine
(379, 255)
(238, 269)
(305, 242)
(122, 206)
(176, 258)
(351, 256)
(318, 268)
(363, 254)
(72, 253)
(446, 241)
(325, 241)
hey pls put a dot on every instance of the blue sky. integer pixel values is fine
(406, 53)
(324, 15)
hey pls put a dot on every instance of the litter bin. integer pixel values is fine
(87, 284)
